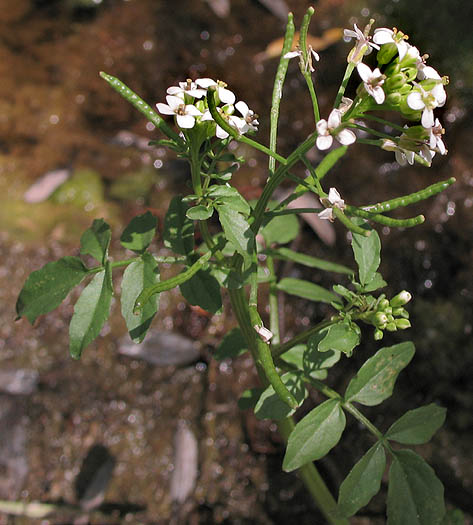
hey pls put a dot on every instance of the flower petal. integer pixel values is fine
(185, 121)
(192, 110)
(364, 71)
(326, 214)
(334, 119)
(427, 120)
(173, 101)
(402, 48)
(414, 101)
(324, 141)
(346, 137)
(383, 35)
(205, 82)
(225, 95)
(164, 109)
(242, 108)
(221, 133)
(378, 94)
(292, 54)
(322, 127)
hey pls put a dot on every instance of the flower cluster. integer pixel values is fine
(187, 102)
(390, 315)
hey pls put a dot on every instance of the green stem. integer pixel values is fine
(278, 350)
(195, 169)
(363, 419)
(119, 264)
(307, 61)
(313, 481)
(343, 85)
(273, 302)
(348, 223)
(369, 130)
(292, 211)
(368, 116)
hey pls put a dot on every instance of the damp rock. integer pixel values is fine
(84, 189)
(46, 185)
(133, 185)
(13, 461)
(18, 381)
(184, 474)
(162, 349)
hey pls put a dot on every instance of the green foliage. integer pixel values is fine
(96, 240)
(270, 406)
(307, 260)
(178, 234)
(45, 289)
(90, 312)
(137, 236)
(280, 229)
(306, 290)
(375, 380)
(363, 481)
(417, 426)
(415, 494)
(341, 337)
(237, 229)
(314, 435)
(232, 345)
(137, 276)
(367, 255)
(203, 290)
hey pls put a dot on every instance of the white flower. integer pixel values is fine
(336, 201)
(298, 53)
(326, 128)
(227, 113)
(225, 95)
(429, 73)
(189, 87)
(435, 139)
(383, 35)
(372, 80)
(403, 156)
(363, 45)
(249, 116)
(426, 101)
(185, 113)
(345, 105)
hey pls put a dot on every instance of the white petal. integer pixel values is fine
(206, 116)
(364, 71)
(402, 48)
(242, 108)
(410, 157)
(346, 137)
(292, 54)
(326, 214)
(238, 123)
(324, 141)
(221, 133)
(197, 92)
(430, 72)
(440, 95)
(205, 82)
(427, 118)
(192, 110)
(164, 109)
(400, 157)
(322, 127)
(334, 196)
(226, 96)
(414, 101)
(173, 90)
(334, 119)
(185, 121)
(378, 94)
(314, 54)
(441, 147)
(173, 101)
(383, 35)
(350, 34)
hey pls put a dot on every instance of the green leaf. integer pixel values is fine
(307, 290)
(307, 260)
(375, 380)
(232, 345)
(280, 229)
(96, 240)
(417, 426)
(454, 517)
(45, 289)
(376, 282)
(415, 494)
(139, 275)
(367, 254)
(236, 229)
(178, 231)
(200, 212)
(363, 481)
(203, 290)
(90, 312)
(228, 195)
(342, 337)
(314, 435)
(271, 406)
(139, 233)
(249, 398)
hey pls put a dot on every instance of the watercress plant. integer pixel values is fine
(239, 257)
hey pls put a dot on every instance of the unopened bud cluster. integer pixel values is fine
(390, 315)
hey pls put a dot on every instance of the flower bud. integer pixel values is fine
(380, 319)
(391, 327)
(411, 73)
(392, 69)
(393, 99)
(403, 324)
(378, 335)
(386, 53)
(395, 82)
(417, 133)
(383, 304)
(400, 299)
(401, 312)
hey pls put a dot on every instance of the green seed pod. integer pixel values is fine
(395, 82)
(403, 324)
(378, 335)
(391, 327)
(400, 299)
(386, 53)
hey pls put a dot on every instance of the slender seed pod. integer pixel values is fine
(348, 223)
(182, 277)
(406, 200)
(386, 221)
(265, 360)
